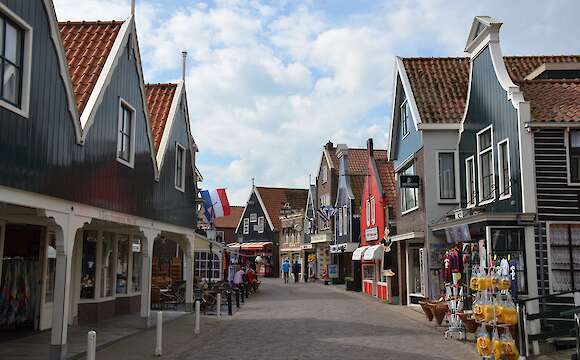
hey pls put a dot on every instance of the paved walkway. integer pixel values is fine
(300, 321)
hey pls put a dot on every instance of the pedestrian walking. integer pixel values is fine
(286, 270)
(296, 270)
(239, 277)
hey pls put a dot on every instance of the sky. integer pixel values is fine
(270, 82)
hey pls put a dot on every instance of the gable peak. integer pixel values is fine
(483, 29)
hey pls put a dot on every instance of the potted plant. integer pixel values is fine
(350, 284)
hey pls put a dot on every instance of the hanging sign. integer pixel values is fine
(333, 271)
(409, 181)
(372, 234)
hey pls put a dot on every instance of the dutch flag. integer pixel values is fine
(215, 204)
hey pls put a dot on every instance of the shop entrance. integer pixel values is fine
(21, 277)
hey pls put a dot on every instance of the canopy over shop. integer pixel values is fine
(258, 254)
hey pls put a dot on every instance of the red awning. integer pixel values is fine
(255, 245)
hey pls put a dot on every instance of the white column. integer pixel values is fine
(188, 272)
(65, 239)
(149, 236)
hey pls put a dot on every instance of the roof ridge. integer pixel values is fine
(279, 188)
(435, 58)
(536, 56)
(161, 84)
(95, 22)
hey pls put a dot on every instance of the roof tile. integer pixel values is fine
(231, 221)
(87, 45)
(275, 198)
(553, 100)
(519, 67)
(159, 99)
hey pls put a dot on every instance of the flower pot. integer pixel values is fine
(426, 309)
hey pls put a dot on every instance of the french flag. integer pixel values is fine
(215, 203)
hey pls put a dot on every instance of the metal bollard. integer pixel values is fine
(237, 298)
(219, 305)
(91, 345)
(159, 334)
(247, 289)
(230, 310)
(197, 316)
(242, 294)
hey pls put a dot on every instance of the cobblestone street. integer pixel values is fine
(310, 321)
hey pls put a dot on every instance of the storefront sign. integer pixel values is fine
(409, 181)
(306, 247)
(333, 271)
(342, 248)
(136, 247)
(372, 234)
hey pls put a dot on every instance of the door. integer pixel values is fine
(48, 279)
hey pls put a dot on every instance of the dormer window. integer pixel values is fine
(126, 134)
(405, 117)
(179, 167)
(15, 54)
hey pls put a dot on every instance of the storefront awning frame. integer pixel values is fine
(522, 219)
(357, 254)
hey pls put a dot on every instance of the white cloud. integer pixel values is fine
(270, 83)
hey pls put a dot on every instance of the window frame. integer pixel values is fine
(345, 222)
(261, 225)
(501, 180)
(403, 116)
(471, 193)
(401, 171)
(492, 167)
(455, 199)
(340, 219)
(246, 226)
(567, 142)
(23, 108)
(181, 176)
(124, 105)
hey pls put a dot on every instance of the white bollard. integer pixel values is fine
(197, 315)
(219, 305)
(91, 345)
(158, 342)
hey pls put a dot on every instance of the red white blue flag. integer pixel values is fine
(215, 204)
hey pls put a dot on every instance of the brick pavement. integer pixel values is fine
(301, 321)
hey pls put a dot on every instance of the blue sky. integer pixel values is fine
(269, 82)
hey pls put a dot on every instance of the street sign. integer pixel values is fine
(333, 271)
(409, 181)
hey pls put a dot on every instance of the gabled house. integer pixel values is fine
(309, 255)
(353, 171)
(81, 199)
(377, 222)
(428, 103)
(258, 231)
(326, 190)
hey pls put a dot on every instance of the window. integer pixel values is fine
(324, 174)
(373, 211)
(11, 56)
(261, 224)
(503, 155)
(563, 253)
(89, 265)
(574, 154)
(405, 118)
(136, 267)
(253, 217)
(206, 265)
(122, 264)
(409, 196)
(485, 165)
(107, 264)
(179, 167)
(246, 226)
(340, 220)
(220, 236)
(446, 167)
(125, 146)
(470, 181)
(345, 221)
(509, 244)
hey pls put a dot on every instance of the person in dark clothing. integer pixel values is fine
(296, 270)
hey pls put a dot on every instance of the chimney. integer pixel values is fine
(133, 8)
(329, 145)
(370, 148)
(342, 154)
(341, 150)
(183, 65)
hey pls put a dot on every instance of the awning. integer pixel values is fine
(374, 252)
(234, 245)
(255, 245)
(357, 254)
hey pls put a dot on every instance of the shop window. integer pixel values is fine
(368, 272)
(409, 196)
(470, 181)
(485, 165)
(136, 252)
(107, 264)
(50, 267)
(89, 265)
(510, 244)
(415, 276)
(179, 167)
(206, 265)
(122, 264)
(574, 154)
(564, 255)
(446, 167)
(246, 226)
(503, 154)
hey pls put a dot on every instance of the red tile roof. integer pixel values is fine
(275, 198)
(387, 177)
(553, 100)
(439, 86)
(358, 160)
(231, 221)
(159, 99)
(519, 67)
(87, 46)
